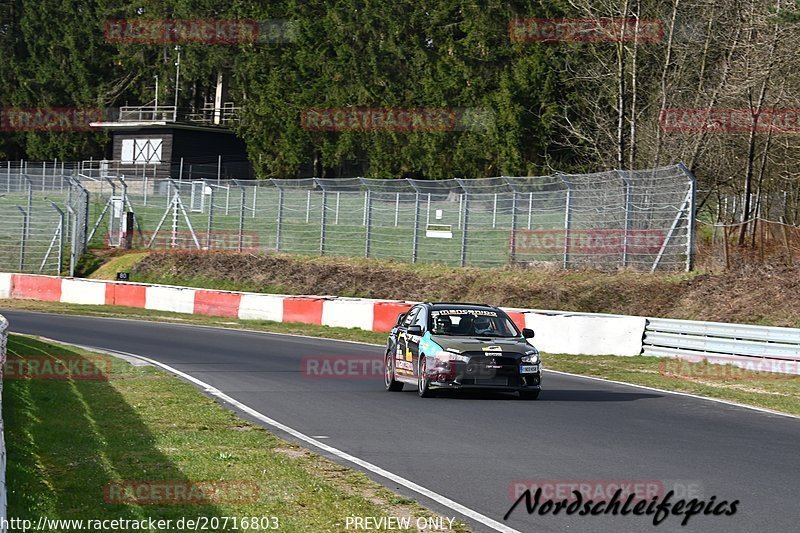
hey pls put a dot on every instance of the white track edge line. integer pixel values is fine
(213, 391)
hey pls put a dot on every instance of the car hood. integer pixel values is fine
(481, 344)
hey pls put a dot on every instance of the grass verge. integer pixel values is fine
(777, 392)
(68, 439)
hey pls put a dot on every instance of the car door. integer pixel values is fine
(421, 320)
(403, 358)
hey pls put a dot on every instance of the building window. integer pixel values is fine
(141, 151)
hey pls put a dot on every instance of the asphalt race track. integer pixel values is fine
(472, 448)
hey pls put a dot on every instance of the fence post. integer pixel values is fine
(255, 198)
(396, 208)
(308, 205)
(29, 203)
(626, 183)
(23, 238)
(241, 213)
(322, 223)
(280, 220)
(73, 251)
(567, 223)
(336, 220)
(530, 208)
(463, 259)
(460, 205)
(494, 212)
(513, 226)
(210, 215)
(690, 227)
(415, 240)
(368, 220)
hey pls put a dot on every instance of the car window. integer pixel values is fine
(422, 319)
(409, 319)
(472, 323)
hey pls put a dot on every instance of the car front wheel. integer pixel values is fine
(423, 383)
(388, 374)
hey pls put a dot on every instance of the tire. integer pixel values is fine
(529, 394)
(388, 374)
(423, 385)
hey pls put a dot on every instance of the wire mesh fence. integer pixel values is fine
(634, 219)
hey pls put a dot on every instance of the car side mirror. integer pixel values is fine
(400, 318)
(415, 329)
(527, 333)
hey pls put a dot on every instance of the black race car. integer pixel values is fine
(440, 346)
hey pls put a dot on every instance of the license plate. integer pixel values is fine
(528, 369)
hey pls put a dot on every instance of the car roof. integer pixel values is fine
(447, 305)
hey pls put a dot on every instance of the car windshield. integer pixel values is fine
(471, 323)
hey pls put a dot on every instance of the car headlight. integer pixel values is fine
(445, 355)
(531, 356)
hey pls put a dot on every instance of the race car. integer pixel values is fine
(447, 346)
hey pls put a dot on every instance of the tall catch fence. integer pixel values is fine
(620, 219)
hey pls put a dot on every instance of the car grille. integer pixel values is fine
(490, 370)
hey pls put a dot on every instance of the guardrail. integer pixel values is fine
(760, 348)
(763, 348)
(3, 495)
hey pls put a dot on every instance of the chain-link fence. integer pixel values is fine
(42, 222)
(633, 219)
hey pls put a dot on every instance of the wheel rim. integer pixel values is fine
(387, 373)
(422, 382)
